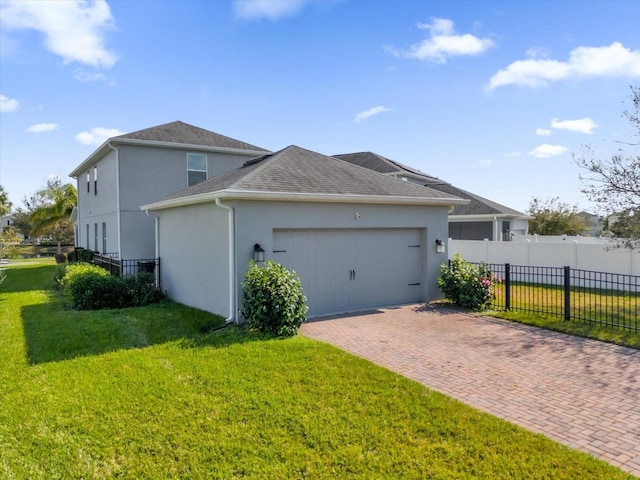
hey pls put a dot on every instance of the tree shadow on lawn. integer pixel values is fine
(53, 334)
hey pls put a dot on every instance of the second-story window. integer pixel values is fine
(95, 180)
(196, 168)
(88, 182)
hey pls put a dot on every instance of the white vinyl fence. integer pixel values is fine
(583, 254)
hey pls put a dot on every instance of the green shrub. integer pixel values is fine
(273, 301)
(141, 289)
(80, 255)
(88, 287)
(467, 285)
(95, 292)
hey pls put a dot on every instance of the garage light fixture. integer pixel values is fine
(440, 246)
(258, 253)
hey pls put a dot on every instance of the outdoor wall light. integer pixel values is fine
(440, 246)
(258, 253)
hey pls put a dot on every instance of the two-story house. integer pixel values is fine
(138, 168)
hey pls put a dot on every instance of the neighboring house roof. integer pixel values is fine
(381, 164)
(173, 135)
(297, 174)
(477, 205)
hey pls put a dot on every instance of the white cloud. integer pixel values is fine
(584, 62)
(545, 151)
(84, 76)
(73, 29)
(370, 113)
(8, 104)
(96, 136)
(486, 162)
(271, 9)
(42, 127)
(443, 43)
(544, 132)
(512, 154)
(582, 125)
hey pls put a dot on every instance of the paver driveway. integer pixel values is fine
(579, 392)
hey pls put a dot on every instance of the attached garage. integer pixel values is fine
(358, 239)
(344, 270)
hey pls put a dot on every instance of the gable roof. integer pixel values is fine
(477, 205)
(381, 164)
(297, 174)
(183, 133)
(173, 135)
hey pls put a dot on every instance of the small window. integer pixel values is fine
(88, 247)
(104, 237)
(95, 180)
(196, 168)
(95, 237)
(88, 182)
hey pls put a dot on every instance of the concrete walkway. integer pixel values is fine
(579, 392)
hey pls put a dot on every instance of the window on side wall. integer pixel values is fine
(104, 237)
(88, 182)
(95, 180)
(196, 168)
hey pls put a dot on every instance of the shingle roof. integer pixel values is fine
(180, 132)
(381, 164)
(478, 205)
(296, 170)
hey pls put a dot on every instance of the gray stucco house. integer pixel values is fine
(479, 219)
(137, 168)
(357, 238)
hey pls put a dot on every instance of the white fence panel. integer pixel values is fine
(583, 256)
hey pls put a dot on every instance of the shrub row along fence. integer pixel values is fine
(120, 268)
(609, 299)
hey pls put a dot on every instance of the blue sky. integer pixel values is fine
(491, 96)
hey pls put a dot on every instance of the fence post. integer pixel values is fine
(567, 292)
(507, 286)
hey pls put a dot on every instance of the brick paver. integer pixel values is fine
(579, 392)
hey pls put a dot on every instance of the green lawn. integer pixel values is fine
(154, 392)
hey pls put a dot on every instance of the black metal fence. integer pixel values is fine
(609, 299)
(119, 267)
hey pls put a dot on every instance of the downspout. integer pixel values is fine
(232, 241)
(156, 224)
(118, 214)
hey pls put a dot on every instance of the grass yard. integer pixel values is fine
(153, 393)
(609, 311)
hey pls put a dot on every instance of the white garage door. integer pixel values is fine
(349, 270)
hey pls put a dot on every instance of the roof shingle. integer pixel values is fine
(300, 171)
(180, 132)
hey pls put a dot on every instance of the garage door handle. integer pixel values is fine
(352, 274)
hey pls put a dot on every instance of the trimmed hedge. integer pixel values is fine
(89, 287)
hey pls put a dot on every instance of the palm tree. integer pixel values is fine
(54, 215)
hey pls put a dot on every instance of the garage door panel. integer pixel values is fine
(343, 270)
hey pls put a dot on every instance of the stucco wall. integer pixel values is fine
(255, 222)
(194, 242)
(194, 256)
(101, 207)
(148, 174)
